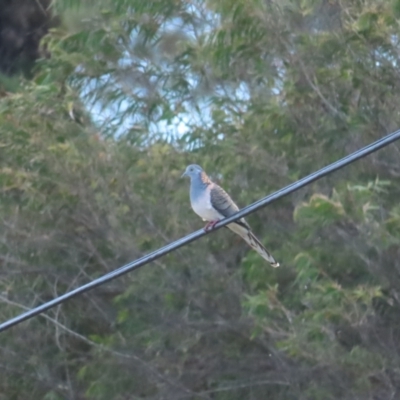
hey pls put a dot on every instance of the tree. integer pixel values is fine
(259, 94)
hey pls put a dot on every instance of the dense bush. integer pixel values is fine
(260, 93)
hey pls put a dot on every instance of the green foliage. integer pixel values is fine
(319, 211)
(258, 93)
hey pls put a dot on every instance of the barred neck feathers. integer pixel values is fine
(204, 178)
(198, 185)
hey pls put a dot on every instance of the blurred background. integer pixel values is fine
(103, 104)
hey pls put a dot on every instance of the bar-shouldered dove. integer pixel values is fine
(212, 204)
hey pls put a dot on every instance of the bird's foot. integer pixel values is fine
(210, 225)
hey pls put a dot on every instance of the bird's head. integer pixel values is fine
(192, 171)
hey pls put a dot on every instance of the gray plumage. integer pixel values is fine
(212, 204)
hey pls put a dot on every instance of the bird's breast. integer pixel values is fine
(201, 205)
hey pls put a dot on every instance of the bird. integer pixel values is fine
(212, 203)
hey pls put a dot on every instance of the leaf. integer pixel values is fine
(319, 210)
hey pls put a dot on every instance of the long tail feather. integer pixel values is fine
(254, 243)
(260, 249)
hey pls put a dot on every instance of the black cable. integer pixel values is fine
(198, 234)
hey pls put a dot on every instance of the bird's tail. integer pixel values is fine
(254, 243)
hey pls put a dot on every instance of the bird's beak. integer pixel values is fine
(184, 174)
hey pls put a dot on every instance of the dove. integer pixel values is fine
(212, 203)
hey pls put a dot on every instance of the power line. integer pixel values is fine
(198, 234)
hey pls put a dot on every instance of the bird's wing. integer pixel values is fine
(224, 205)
